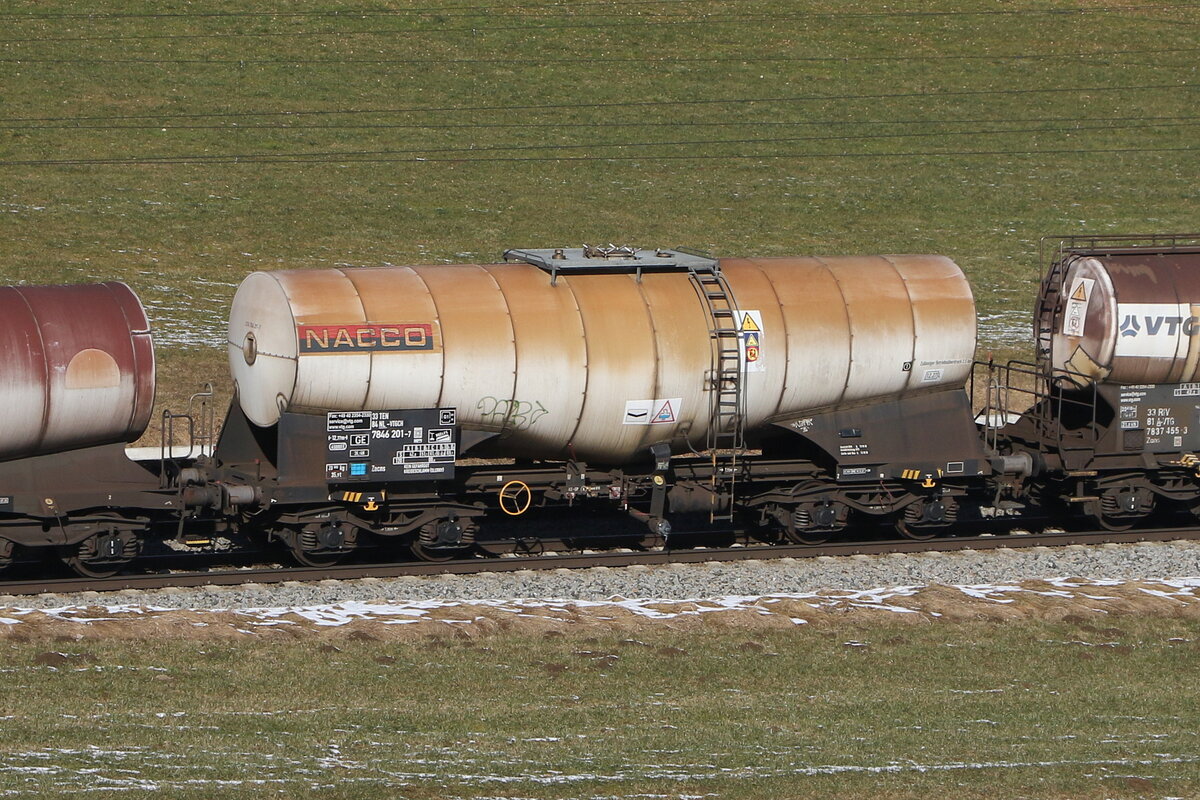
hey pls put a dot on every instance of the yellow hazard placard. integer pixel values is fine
(1075, 311)
(750, 325)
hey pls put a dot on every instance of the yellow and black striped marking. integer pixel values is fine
(370, 500)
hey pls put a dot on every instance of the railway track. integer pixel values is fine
(696, 555)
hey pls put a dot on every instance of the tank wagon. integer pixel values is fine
(1110, 414)
(77, 383)
(603, 356)
(638, 380)
(474, 409)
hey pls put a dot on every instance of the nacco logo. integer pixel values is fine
(376, 337)
(1134, 324)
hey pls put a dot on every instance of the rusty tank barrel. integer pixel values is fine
(78, 367)
(599, 364)
(1124, 315)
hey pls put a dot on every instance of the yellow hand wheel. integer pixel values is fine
(515, 498)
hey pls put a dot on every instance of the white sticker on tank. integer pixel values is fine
(750, 343)
(1075, 318)
(660, 411)
(1154, 330)
(932, 375)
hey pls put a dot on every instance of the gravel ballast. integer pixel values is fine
(681, 582)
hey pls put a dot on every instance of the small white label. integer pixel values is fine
(932, 375)
(659, 411)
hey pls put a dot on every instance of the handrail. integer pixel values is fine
(202, 439)
(1047, 406)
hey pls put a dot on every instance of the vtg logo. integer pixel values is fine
(1155, 330)
(1131, 326)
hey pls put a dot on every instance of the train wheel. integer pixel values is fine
(102, 555)
(434, 555)
(307, 558)
(87, 569)
(320, 544)
(443, 539)
(807, 537)
(813, 522)
(316, 559)
(927, 517)
(1122, 508)
(1111, 523)
(915, 532)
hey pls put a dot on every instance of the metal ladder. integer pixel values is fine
(1048, 311)
(725, 440)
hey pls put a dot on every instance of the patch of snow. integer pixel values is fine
(249, 620)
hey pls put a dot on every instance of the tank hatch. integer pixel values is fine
(617, 259)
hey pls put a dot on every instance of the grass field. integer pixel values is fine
(1067, 709)
(180, 150)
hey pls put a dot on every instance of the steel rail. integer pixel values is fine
(697, 555)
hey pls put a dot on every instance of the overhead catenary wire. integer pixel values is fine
(565, 60)
(738, 123)
(733, 101)
(699, 142)
(337, 12)
(474, 30)
(165, 161)
(461, 10)
(474, 150)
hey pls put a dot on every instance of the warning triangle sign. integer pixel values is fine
(751, 340)
(1080, 292)
(665, 414)
(748, 323)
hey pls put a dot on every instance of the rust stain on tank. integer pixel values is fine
(92, 369)
(602, 364)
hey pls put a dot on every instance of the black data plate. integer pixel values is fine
(1160, 418)
(417, 444)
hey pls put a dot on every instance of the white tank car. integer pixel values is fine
(600, 359)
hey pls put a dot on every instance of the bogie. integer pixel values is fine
(102, 554)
